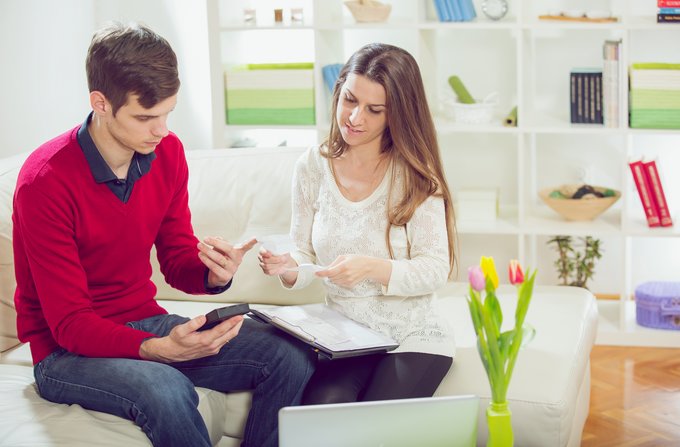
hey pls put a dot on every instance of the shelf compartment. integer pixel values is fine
(546, 222)
(547, 93)
(617, 326)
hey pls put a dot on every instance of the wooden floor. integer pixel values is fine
(634, 398)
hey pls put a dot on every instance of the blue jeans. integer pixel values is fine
(161, 399)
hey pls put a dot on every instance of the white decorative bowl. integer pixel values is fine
(369, 11)
(579, 209)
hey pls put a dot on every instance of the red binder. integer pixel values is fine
(648, 204)
(657, 193)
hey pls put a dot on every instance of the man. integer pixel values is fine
(88, 207)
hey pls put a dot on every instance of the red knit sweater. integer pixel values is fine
(82, 255)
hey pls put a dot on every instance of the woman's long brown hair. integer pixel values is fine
(409, 138)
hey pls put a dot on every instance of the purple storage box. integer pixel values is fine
(657, 304)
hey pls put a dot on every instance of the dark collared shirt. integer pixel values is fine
(122, 188)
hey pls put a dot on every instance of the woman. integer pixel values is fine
(372, 205)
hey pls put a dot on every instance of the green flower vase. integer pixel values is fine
(498, 419)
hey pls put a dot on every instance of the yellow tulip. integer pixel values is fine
(489, 269)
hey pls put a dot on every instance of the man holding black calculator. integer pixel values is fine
(88, 208)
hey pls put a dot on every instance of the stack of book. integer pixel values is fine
(655, 96)
(648, 183)
(279, 94)
(586, 96)
(611, 82)
(455, 10)
(669, 11)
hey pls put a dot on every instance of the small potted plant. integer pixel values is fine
(576, 265)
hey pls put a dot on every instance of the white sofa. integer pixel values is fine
(238, 193)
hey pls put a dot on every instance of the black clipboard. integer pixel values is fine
(326, 330)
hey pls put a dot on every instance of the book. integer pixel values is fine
(456, 12)
(668, 18)
(326, 330)
(657, 192)
(572, 97)
(668, 3)
(598, 99)
(468, 9)
(441, 11)
(642, 185)
(610, 82)
(586, 95)
(579, 98)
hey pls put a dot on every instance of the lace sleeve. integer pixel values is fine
(305, 191)
(428, 268)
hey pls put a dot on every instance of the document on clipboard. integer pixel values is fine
(326, 330)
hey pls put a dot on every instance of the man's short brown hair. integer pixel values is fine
(131, 59)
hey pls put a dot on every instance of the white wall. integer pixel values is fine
(42, 80)
(43, 92)
(43, 45)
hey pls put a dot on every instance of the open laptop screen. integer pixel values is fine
(449, 421)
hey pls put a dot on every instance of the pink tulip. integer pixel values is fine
(476, 278)
(515, 272)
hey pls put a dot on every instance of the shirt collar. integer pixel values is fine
(101, 172)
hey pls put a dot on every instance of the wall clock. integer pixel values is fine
(495, 9)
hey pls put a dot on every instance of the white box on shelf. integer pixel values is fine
(477, 204)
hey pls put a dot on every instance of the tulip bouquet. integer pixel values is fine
(498, 350)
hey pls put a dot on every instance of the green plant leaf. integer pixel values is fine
(525, 292)
(475, 312)
(492, 306)
(504, 344)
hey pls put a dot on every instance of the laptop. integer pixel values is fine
(449, 421)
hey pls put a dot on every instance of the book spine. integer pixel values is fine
(668, 3)
(457, 12)
(440, 12)
(468, 10)
(579, 97)
(641, 182)
(668, 18)
(652, 172)
(598, 99)
(610, 83)
(572, 97)
(591, 96)
(669, 11)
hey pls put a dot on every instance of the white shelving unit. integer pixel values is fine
(527, 62)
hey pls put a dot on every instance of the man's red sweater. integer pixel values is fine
(82, 255)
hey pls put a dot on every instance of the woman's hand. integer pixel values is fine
(272, 264)
(349, 270)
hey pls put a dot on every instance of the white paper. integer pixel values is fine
(327, 327)
(307, 268)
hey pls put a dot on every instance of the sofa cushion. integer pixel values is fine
(229, 198)
(28, 419)
(9, 170)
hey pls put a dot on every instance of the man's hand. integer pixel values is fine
(222, 258)
(185, 343)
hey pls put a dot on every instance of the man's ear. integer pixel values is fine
(99, 103)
